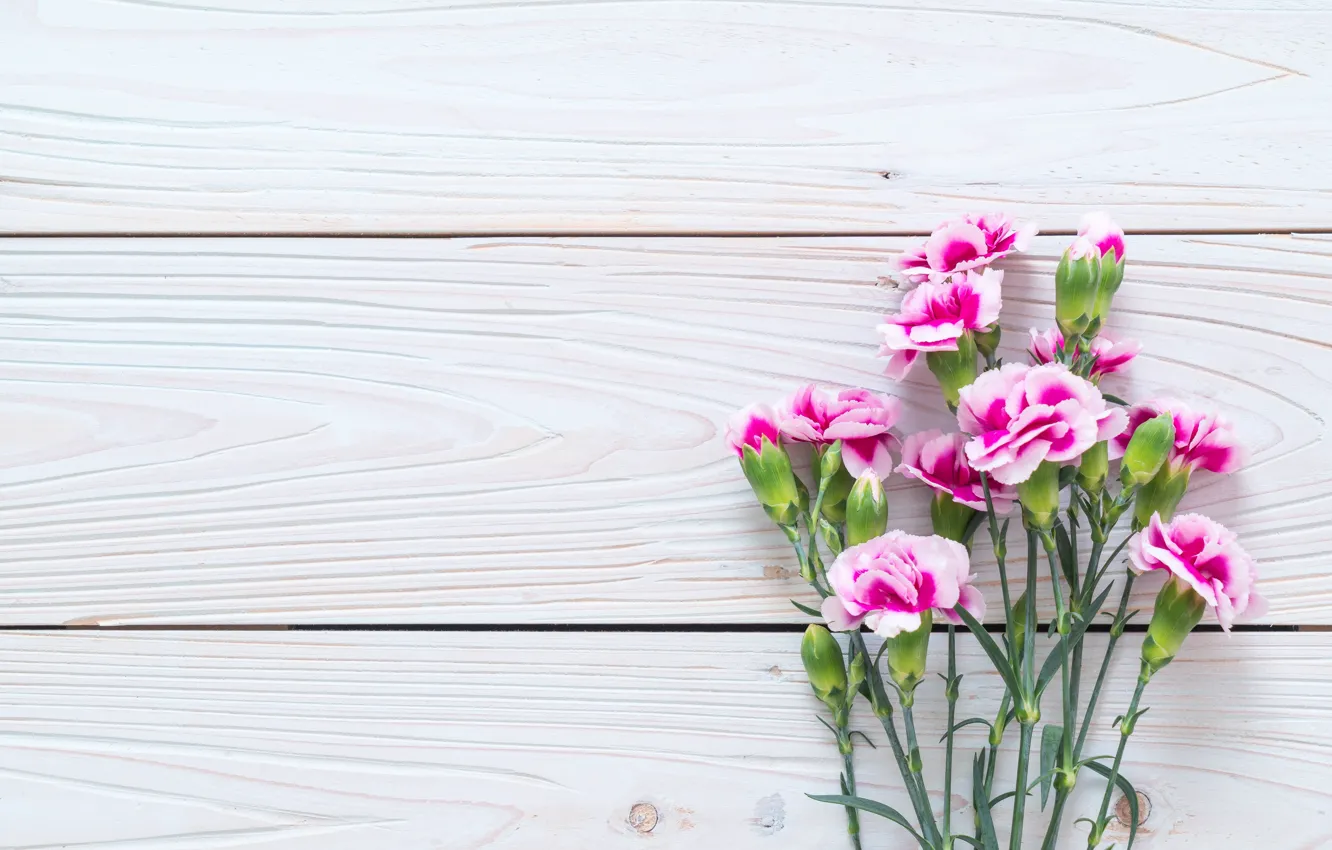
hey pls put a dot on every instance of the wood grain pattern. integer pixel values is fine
(566, 116)
(343, 741)
(286, 431)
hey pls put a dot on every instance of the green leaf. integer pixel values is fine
(967, 838)
(873, 807)
(1066, 476)
(805, 609)
(1074, 636)
(970, 721)
(1001, 664)
(1129, 794)
(1052, 737)
(989, 840)
(1114, 399)
(1065, 549)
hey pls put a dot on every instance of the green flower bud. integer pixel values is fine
(1020, 622)
(987, 341)
(830, 461)
(1112, 275)
(822, 656)
(1160, 495)
(906, 655)
(1147, 450)
(834, 495)
(951, 520)
(1094, 467)
(1178, 610)
(954, 369)
(769, 473)
(1039, 496)
(866, 509)
(1076, 281)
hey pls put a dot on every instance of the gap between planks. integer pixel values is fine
(1317, 230)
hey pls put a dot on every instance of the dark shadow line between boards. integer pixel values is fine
(622, 234)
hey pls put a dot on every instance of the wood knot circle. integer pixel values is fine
(1124, 814)
(642, 818)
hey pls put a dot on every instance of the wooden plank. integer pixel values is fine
(344, 741)
(819, 116)
(285, 431)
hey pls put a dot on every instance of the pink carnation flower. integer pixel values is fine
(750, 427)
(888, 582)
(934, 315)
(1112, 354)
(1101, 231)
(1022, 415)
(959, 245)
(1202, 440)
(940, 461)
(1204, 554)
(862, 420)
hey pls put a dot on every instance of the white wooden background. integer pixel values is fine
(639, 216)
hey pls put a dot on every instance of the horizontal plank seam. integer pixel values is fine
(617, 234)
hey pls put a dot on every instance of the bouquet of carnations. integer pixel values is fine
(1035, 442)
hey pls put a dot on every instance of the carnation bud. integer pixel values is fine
(866, 509)
(769, 473)
(906, 654)
(954, 369)
(822, 656)
(1161, 495)
(834, 495)
(1147, 450)
(1076, 279)
(1039, 496)
(1178, 610)
(1094, 467)
(1112, 275)
(830, 460)
(951, 519)
(1020, 621)
(987, 340)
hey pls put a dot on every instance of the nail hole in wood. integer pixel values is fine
(643, 818)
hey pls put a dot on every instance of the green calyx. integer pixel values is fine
(769, 473)
(1094, 467)
(987, 340)
(1178, 609)
(905, 654)
(950, 519)
(1039, 496)
(822, 657)
(954, 369)
(1076, 283)
(1111, 276)
(1147, 451)
(866, 509)
(1161, 495)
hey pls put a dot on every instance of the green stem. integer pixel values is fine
(1029, 647)
(948, 747)
(913, 755)
(849, 772)
(1056, 815)
(1020, 788)
(919, 800)
(1125, 730)
(1105, 666)
(1000, 557)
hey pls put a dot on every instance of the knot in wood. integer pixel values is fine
(642, 818)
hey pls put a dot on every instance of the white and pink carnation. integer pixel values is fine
(939, 460)
(935, 314)
(963, 244)
(750, 427)
(1202, 440)
(887, 583)
(1099, 230)
(1112, 354)
(1021, 415)
(1205, 555)
(862, 420)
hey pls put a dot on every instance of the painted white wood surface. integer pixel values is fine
(560, 116)
(528, 430)
(363, 741)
